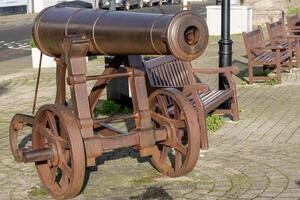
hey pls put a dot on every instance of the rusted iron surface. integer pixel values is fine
(184, 35)
(55, 127)
(183, 138)
(17, 126)
(66, 140)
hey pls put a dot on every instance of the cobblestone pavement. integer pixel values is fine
(255, 158)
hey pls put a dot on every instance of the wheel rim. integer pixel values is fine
(55, 127)
(16, 127)
(179, 153)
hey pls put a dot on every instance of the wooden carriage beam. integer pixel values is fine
(108, 76)
(97, 145)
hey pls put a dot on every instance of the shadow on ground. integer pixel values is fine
(114, 155)
(158, 193)
(3, 89)
(257, 71)
(243, 67)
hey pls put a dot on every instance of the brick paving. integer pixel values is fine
(255, 158)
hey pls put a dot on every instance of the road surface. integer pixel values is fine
(15, 37)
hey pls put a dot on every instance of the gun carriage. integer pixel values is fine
(65, 141)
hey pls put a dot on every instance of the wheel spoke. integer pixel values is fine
(66, 154)
(178, 160)
(64, 143)
(158, 117)
(63, 138)
(46, 133)
(52, 122)
(164, 154)
(66, 170)
(163, 105)
(180, 148)
(49, 136)
(177, 113)
(52, 176)
(178, 123)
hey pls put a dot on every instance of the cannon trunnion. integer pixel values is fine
(66, 140)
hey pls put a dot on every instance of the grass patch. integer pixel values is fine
(272, 82)
(38, 191)
(292, 11)
(144, 180)
(244, 83)
(32, 44)
(108, 107)
(214, 122)
(149, 57)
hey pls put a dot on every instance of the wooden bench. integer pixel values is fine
(278, 36)
(167, 71)
(266, 55)
(293, 22)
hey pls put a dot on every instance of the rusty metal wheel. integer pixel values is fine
(17, 128)
(180, 152)
(55, 127)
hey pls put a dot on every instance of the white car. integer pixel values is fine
(160, 2)
(125, 4)
(151, 2)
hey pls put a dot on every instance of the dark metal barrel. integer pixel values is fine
(184, 35)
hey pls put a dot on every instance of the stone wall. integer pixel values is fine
(269, 10)
(272, 4)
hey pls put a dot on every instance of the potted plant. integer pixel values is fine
(35, 55)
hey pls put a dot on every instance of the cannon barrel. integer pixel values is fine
(184, 35)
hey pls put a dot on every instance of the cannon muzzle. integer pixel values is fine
(184, 35)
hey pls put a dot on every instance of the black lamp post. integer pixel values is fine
(225, 46)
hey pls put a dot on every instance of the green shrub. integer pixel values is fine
(261, 73)
(272, 82)
(108, 107)
(292, 11)
(32, 44)
(214, 122)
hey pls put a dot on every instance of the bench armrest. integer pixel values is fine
(294, 27)
(216, 70)
(227, 71)
(286, 38)
(275, 47)
(294, 37)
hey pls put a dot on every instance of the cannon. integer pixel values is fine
(184, 35)
(66, 140)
